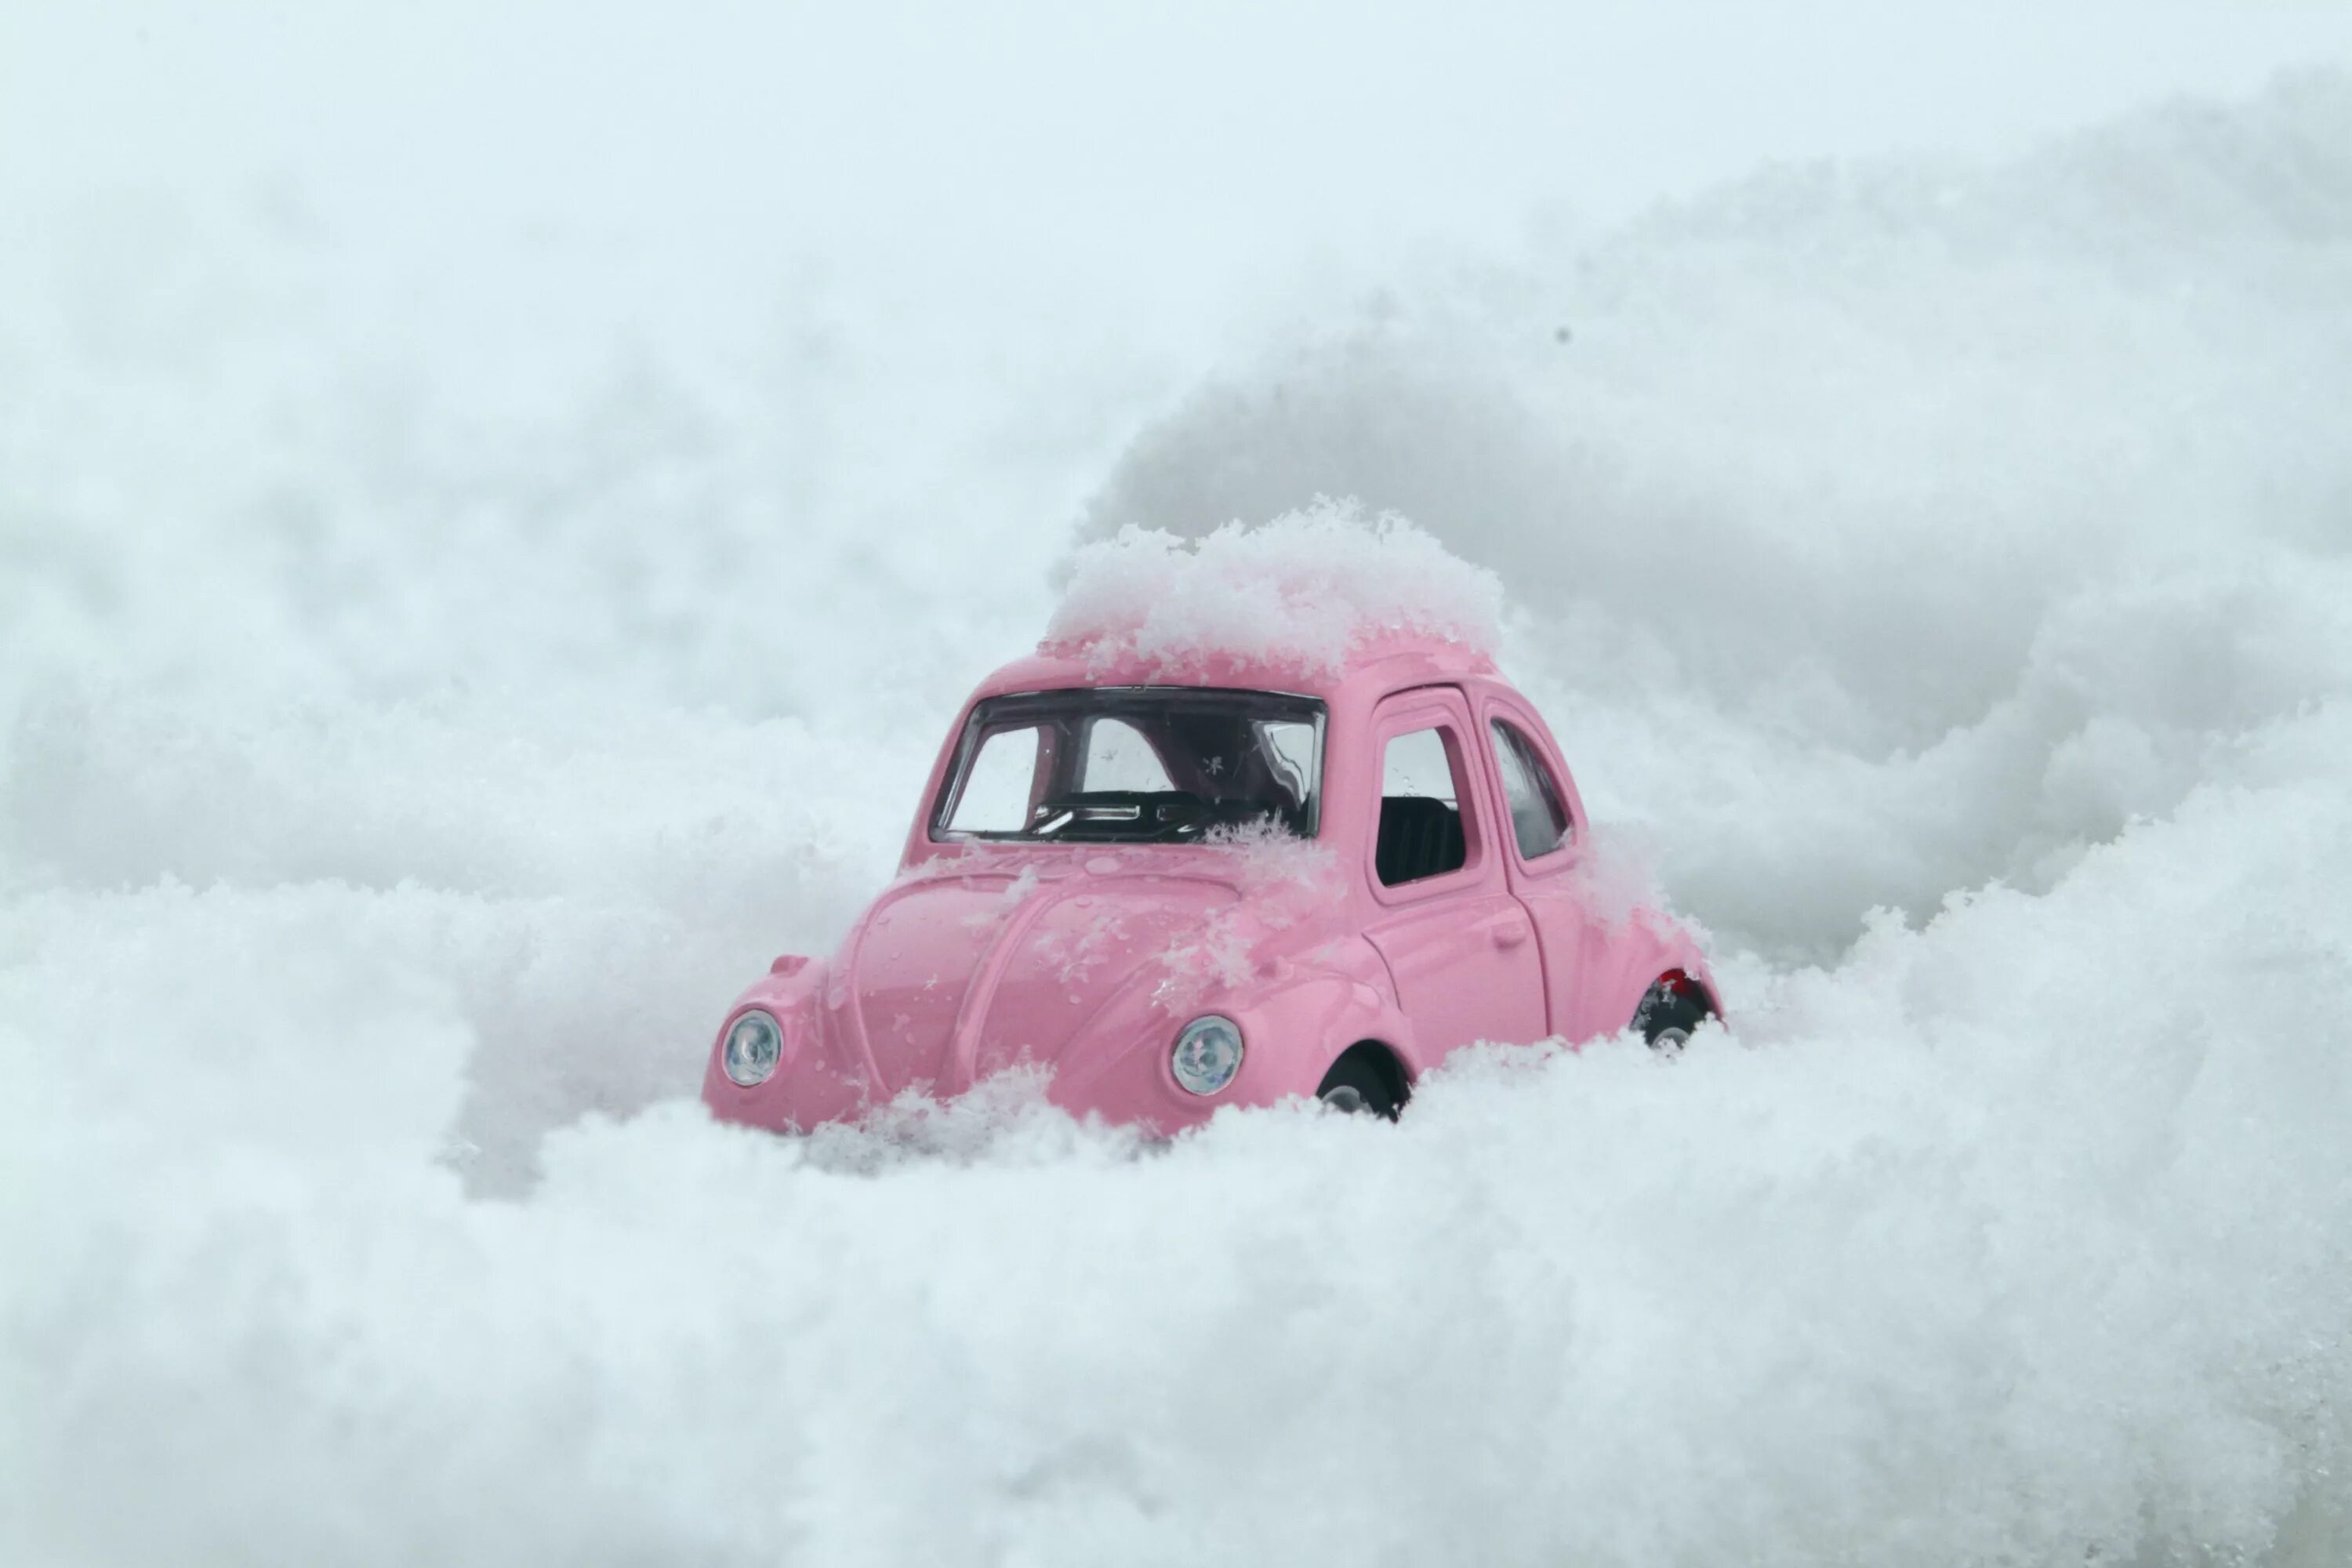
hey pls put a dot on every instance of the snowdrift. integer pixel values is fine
(1942, 576)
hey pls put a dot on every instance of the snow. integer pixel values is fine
(1302, 591)
(421, 718)
(1274, 866)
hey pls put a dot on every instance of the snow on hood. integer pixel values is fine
(1304, 591)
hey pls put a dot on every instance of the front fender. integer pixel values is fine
(1294, 1020)
(821, 1078)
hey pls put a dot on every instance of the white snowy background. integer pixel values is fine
(498, 505)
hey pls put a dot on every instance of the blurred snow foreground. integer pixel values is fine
(1945, 576)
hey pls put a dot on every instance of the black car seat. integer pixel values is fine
(1420, 837)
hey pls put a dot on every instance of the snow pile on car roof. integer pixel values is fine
(1305, 592)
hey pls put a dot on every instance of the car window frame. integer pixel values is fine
(1447, 709)
(950, 774)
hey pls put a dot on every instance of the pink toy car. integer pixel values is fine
(1185, 890)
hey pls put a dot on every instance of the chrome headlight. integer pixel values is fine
(1207, 1054)
(755, 1044)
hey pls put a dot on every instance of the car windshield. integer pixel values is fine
(1134, 764)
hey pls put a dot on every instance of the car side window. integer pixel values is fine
(1538, 819)
(1421, 810)
(997, 792)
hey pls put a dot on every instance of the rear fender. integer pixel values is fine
(1653, 948)
(1295, 1016)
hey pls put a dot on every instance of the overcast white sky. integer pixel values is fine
(1299, 118)
(1157, 151)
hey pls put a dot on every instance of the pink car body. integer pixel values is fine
(1089, 958)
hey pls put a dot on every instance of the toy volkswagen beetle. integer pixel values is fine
(1182, 892)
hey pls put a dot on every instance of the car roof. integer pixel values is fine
(1391, 663)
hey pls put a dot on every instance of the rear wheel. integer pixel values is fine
(1363, 1081)
(1673, 1006)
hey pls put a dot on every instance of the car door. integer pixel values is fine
(1541, 846)
(1457, 942)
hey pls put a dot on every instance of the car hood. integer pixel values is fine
(960, 972)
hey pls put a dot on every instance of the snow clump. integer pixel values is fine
(1305, 591)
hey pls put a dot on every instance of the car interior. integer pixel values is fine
(1147, 766)
(1420, 837)
(1420, 831)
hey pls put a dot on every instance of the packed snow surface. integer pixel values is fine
(1940, 577)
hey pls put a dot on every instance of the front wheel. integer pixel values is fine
(1358, 1085)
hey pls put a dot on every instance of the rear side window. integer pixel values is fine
(1538, 820)
(1421, 810)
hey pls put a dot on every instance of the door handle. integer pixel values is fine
(1510, 932)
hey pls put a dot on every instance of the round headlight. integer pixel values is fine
(754, 1045)
(1207, 1053)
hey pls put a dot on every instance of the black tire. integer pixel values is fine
(1363, 1082)
(1673, 1006)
